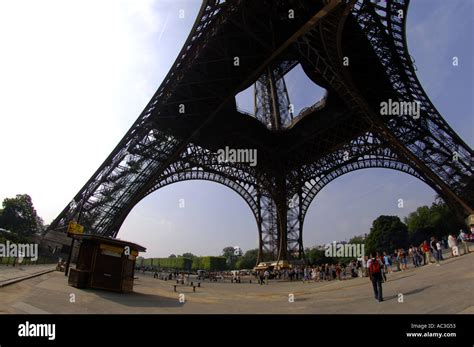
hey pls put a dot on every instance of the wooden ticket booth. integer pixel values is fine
(104, 263)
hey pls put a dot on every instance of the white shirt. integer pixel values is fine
(451, 241)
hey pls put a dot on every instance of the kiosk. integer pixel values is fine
(104, 263)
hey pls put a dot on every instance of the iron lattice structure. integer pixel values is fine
(194, 113)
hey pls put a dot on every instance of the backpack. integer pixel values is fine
(374, 266)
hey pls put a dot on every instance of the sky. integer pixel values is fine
(75, 75)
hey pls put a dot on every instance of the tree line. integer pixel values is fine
(387, 233)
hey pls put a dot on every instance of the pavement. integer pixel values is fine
(13, 274)
(427, 290)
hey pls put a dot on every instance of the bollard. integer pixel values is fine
(199, 284)
(192, 283)
(174, 287)
(194, 288)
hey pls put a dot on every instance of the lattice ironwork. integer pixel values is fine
(235, 44)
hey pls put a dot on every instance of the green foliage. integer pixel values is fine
(212, 263)
(187, 264)
(231, 258)
(387, 234)
(197, 264)
(19, 215)
(248, 260)
(316, 256)
(176, 263)
(420, 219)
(14, 238)
(437, 220)
(358, 239)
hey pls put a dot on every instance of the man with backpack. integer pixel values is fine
(374, 267)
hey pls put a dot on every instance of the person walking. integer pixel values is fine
(387, 262)
(452, 244)
(260, 277)
(380, 260)
(426, 252)
(364, 266)
(374, 268)
(463, 238)
(434, 249)
(338, 271)
(266, 275)
(404, 259)
(439, 250)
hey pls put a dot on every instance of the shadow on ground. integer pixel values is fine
(136, 299)
(411, 292)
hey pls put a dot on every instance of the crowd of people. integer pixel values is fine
(376, 267)
(428, 252)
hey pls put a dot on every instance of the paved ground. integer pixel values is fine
(448, 288)
(11, 273)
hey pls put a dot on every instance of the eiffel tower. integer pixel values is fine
(355, 49)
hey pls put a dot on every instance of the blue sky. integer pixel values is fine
(76, 74)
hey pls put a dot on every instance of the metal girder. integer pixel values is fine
(298, 155)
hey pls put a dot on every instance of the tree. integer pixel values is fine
(172, 256)
(316, 256)
(419, 219)
(387, 234)
(437, 220)
(248, 260)
(19, 215)
(358, 239)
(188, 255)
(231, 258)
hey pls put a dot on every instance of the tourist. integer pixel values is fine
(359, 268)
(426, 252)
(463, 237)
(404, 259)
(439, 250)
(396, 256)
(452, 244)
(416, 256)
(434, 249)
(380, 260)
(374, 267)
(266, 275)
(338, 271)
(387, 263)
(261, 277)
(412, 255)
(353, 269)
(364, 266)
